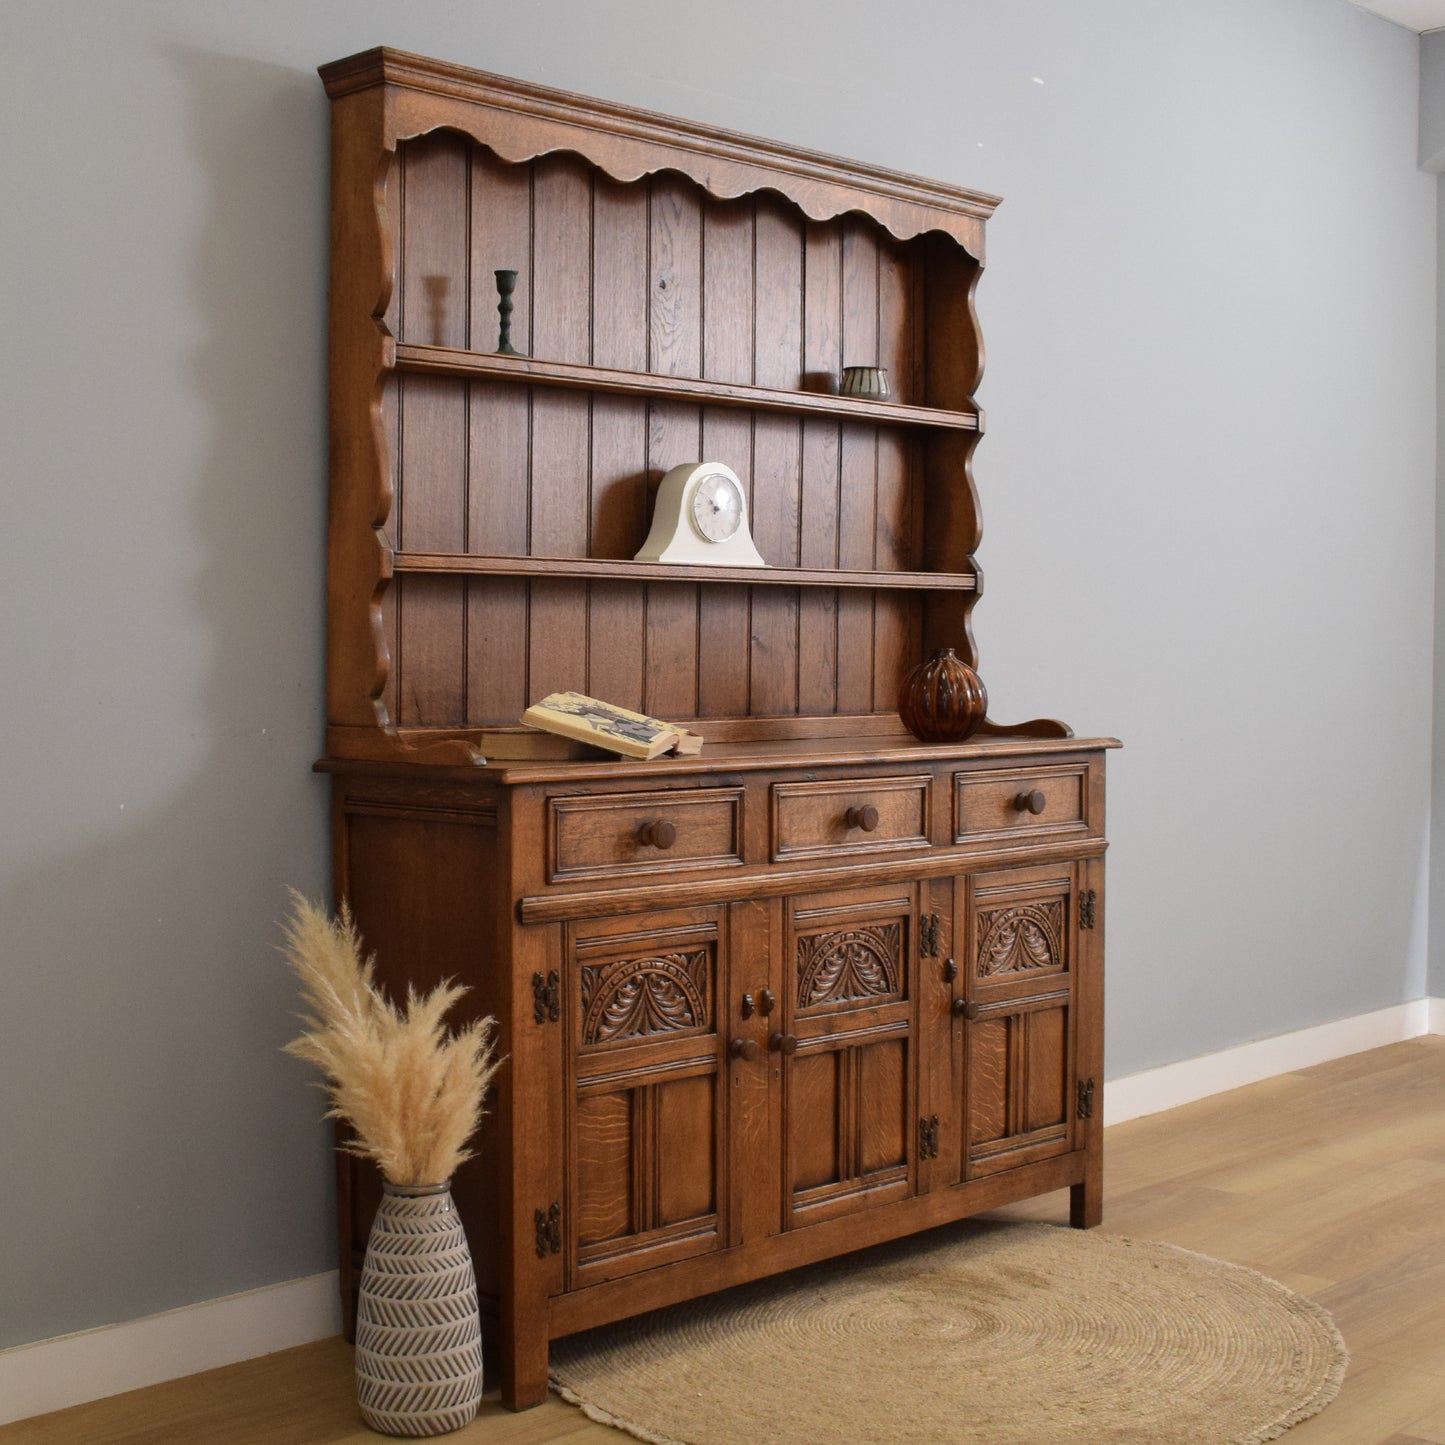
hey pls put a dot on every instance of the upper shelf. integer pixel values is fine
(450, 361)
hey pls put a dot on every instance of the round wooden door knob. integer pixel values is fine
(783, 1043)
(1033, 802)
(965, 1009)
(864, 817)
(660, 834)
(744, 1049)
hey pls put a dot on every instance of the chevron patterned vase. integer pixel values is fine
(418, 1336)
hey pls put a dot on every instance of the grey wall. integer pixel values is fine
(1209, 489)
(1432, 159)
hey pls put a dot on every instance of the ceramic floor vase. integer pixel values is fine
(418, 1335)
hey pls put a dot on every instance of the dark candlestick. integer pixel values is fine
(506, 284)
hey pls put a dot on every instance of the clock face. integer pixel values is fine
(717, 507)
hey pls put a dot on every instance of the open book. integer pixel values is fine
(605, 725)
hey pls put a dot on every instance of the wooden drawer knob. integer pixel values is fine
(660, 834)
(865, 817)
(1033, 802)
(744, 1049)
(783, 1043)
(965, 1009)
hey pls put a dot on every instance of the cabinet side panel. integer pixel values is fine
(417, 890)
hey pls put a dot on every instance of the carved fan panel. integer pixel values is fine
(637, 998)
(850, 964)
(1021, 939)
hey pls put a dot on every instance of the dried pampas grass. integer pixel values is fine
(411, 1091)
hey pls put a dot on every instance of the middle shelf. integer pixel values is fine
(451, 361)
(605, 569)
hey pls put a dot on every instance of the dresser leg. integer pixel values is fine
(1086, 1200)
(524, 1371)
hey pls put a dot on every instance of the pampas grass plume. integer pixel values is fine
(412, 1092)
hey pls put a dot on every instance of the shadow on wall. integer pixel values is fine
(159, 1149)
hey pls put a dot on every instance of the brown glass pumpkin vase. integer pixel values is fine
(942, 700)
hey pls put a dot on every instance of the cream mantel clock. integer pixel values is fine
(701, 515)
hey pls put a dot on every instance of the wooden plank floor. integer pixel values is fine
(1331, 1180)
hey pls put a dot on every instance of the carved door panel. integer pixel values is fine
(647, 1116)
(845, 1049)
(1016, 1017)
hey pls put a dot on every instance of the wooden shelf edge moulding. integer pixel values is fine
(452, 361)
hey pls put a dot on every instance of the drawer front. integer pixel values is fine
(855, 815)
(1022, 801)
(609, 835)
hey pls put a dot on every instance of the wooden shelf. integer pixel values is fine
(609, 570)
(450, 361)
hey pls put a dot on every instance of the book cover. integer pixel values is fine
(603, 725)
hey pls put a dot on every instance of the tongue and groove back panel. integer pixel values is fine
(656, 276)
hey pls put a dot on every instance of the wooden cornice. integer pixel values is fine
(520, 121)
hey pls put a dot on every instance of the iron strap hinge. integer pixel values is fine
(547, 997)
(549, 1230)
(928, 935)
(1086, 1098)
(928, 1138)
(1088, 900)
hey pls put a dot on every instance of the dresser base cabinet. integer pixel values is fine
(764, 1054)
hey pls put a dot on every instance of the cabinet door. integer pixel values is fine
(647, 1116)
(844, 1044)
(1020, 987)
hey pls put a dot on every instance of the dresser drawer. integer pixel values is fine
(851, 815)
(1025, 800)
(612, 834)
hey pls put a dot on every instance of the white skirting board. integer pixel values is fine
(71, 1369)
(1155, 1090)
(54, 1374)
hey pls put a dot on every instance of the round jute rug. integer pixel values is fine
(1003, 1334)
